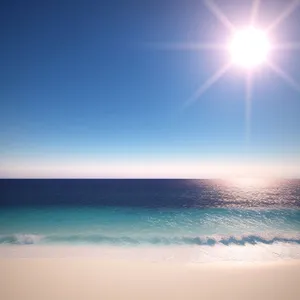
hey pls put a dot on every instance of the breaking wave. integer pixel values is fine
(27, 239)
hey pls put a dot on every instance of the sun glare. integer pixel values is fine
(249, 48)
(245, 182)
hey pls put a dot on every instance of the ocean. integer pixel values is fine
(207, 220)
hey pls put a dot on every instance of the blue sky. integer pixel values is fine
(84, 93)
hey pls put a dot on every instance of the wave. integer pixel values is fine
(21, 239)
(27, 239)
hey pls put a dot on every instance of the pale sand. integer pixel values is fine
(94, 278)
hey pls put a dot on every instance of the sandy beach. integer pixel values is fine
(95, 278)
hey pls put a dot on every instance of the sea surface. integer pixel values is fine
(241, 219)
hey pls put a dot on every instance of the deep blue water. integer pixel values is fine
(149, 212)
(148, 193)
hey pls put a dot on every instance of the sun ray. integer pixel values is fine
(289, 10)
(254, 13)
(186, 46)
(215, 10)
(287, 78)
(249, 91)
(287, 46)
(208, 83)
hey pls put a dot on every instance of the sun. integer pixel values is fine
(249, 48)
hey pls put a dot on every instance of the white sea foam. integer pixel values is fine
(27, 239)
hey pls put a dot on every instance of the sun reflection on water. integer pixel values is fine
(253, 192)
(249, 182)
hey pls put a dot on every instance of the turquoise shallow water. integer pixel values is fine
(137, 226)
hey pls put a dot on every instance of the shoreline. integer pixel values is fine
(146, 253)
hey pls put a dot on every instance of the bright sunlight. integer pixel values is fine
(249, 48)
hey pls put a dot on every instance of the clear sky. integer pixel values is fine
(85, 92)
